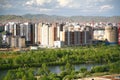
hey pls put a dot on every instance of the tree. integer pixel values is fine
(98, 69)
(83, 70)
(30, 74)
(69, 67)
(24, 78)
(8, 76)
(62, 68)
(44, 78)
(52, 76)
(43, 70)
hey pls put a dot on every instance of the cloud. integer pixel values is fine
(106, 8)
(60, 5)
(64, 3)
(28, 3)
(40, 9)
(39, 5)
(38, 2)
(54, 3)
(83, 6)
(69, 3)
(5, 4)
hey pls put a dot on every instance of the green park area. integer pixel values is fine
(34, 65)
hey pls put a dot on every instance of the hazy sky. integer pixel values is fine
(61, 7)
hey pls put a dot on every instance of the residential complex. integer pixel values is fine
(25, 34)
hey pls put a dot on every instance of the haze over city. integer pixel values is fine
(61, 7)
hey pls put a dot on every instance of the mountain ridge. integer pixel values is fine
(57, 18)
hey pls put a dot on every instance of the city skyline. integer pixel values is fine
(61, 7)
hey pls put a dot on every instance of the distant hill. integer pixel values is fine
(7, 18)
(55, 18)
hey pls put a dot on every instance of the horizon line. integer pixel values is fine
(60, 15)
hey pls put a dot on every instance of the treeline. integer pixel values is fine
(91, 54)
(67, 72)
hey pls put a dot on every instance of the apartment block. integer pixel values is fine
(48, 34)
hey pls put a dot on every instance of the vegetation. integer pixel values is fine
(101, 54)
(67, 72)
(21, 63)
(24, 74)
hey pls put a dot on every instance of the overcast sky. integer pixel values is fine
(61, 7)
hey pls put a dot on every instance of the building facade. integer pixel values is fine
(47, 34)
(111, 34)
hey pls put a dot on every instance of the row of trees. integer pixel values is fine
(104, 54)
(67, 72)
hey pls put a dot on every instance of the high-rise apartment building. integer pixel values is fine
(111, 34)
(47, 34)
(76, 35)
